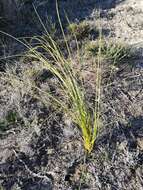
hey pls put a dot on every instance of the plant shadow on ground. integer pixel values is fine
(129, 132)
(75, 10)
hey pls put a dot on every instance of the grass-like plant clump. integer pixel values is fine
(115, 52)
(80, 30)
(11, 118)
(72, 99)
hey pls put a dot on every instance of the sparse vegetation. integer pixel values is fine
(113, 51)
(11, 118)
(70, 85)
(80, 30)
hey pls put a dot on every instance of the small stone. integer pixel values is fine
(140, 143)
